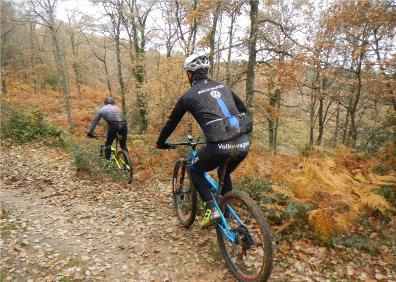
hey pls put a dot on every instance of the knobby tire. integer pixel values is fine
(124, 156)
(180, 172)
(267, 260)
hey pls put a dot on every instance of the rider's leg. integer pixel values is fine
(112, 129)
(123, 131)
(238, 152)
(200, 183)
(205, 161)
(232, 165)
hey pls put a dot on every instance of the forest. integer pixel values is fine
(318, 79)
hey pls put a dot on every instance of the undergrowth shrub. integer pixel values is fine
(355, 242)
(386, 159)
(24, 125)
(375, 138)
(88, 162)
(276, 200)
(340, 189)
(389, 193)
(52, 79)
(330, 191)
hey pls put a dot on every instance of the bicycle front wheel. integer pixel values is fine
(124, 163)
(250, 257)
(184, 194)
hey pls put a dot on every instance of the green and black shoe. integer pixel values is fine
(210, 216)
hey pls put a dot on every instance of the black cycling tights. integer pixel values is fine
(114, 128)
(215, 155)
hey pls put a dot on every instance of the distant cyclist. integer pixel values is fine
(221, 116)
(116, 124)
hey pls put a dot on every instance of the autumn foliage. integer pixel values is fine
(324, 86)
(341, 189)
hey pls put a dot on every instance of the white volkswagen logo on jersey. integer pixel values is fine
(215, 94)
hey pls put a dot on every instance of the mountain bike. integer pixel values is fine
(242, 231)
(120, 158)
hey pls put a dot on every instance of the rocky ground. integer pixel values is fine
(57, 226)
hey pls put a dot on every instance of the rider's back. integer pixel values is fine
(111, 113)
(213, 106)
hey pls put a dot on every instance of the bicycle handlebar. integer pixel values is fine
(103, 136)
(190, 143)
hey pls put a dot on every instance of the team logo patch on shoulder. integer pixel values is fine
(215, 94)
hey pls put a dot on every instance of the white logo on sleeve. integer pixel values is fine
(215, 94)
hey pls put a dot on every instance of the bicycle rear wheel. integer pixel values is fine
(124, 163)
(184, 194)
(250, 259)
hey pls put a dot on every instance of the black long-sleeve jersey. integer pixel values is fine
(219, 112)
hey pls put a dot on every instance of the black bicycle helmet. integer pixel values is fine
(109, 100)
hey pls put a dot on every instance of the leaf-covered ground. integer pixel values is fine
(56, 226)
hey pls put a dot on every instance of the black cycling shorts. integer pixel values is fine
(215, 155)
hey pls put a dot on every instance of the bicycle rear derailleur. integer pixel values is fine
(243, 235)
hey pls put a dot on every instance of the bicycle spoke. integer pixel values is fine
(124, 166)
(251, 256)
(184, 196)
(246, 253)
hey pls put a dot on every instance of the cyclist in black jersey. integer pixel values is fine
(222, 117)
(116, 124)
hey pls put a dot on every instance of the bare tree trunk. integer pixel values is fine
(4, 88)
(189, 43)
(61, 69)
(32, 58)
(271, 127)
(120, 76)
(46, 11)
(321, 122)
(393, 99)
(3, 40)
(345, 128)
(103, 59)
(218, 54)
(107, 76)
(337, 125)
(113, 10)
(273, 120)
(312, 120)
(63, 76)
(353, 109)
(77, 73)
(193, 31)
(216, 15)
(388, 85)
(352, 136)
(277, 126)
(252, 55)
(135, 25)
(141, 96)
(76, 66)
(230, 42)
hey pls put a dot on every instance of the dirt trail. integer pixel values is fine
(59, 227)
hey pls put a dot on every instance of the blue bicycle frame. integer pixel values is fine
(222, 225)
